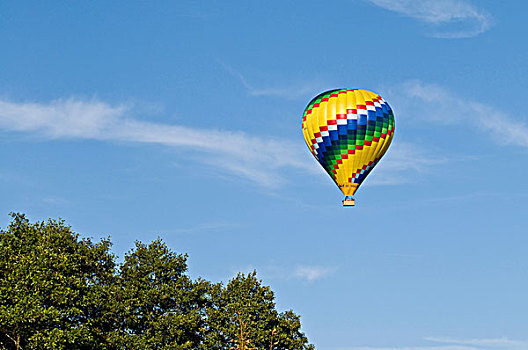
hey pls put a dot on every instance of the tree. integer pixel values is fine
(53, 287)
(61, 291)
(161, 307)
(243, 312)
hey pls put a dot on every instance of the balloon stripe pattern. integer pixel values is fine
(348, 131)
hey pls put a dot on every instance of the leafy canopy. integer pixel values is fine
(61, 291)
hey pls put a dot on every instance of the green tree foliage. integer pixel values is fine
(161, 307)
(53, 287)
(61, 291)
(245, 310)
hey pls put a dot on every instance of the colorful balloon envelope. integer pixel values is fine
(348, 131)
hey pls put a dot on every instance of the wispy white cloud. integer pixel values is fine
(303, 272)
(205, 227)
(414, 99)
(446, 347)
(262, 160)
(405, 162)
(290, 91)
(489, 343)
(259, 159)
(473, 196)
(446, 343)
(54, 200)
(312, 273)
(62, 118)
(452, 18)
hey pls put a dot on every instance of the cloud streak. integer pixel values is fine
(260, 159)
(446, 343)
(488, 343)
(453, 19)
(405, 159)
(413, 99)
(205, 227)
(312, 273)
(290, 92)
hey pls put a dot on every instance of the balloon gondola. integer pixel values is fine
(349, 201)
(348, 131)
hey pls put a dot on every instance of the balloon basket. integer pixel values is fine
(349, 202)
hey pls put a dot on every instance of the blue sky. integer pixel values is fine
(182, 120)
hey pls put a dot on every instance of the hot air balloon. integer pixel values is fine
(348, 131)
